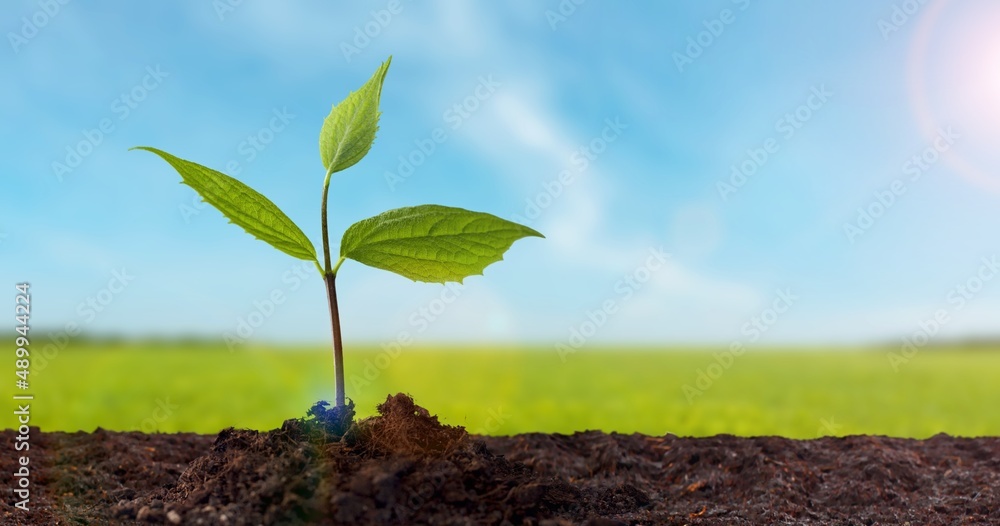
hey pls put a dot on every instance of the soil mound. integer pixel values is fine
(404, 428)
(400, 467)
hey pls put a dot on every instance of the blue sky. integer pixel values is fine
(606, 126)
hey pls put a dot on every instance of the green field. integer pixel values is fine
(175, 387)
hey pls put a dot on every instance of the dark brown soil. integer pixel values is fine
(404, 467)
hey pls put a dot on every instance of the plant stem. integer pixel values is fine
(330, 277)
(326, 235)
(338, 345)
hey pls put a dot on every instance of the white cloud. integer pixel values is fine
(679, 303)
(529, 127)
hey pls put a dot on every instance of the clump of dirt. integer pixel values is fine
(404, 428)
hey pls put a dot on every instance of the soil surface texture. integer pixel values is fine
(404, 467)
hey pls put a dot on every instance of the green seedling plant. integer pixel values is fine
(429, 243)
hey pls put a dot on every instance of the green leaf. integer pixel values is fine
(431, 243)
(349, 130)
(243, 205)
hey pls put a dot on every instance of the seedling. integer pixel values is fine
(430, 243)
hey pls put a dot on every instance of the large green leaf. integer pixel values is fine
(349, 130)
(243, 205)
(431, 243)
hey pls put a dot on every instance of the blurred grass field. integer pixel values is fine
(176, 387)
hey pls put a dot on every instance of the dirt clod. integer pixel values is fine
(404, 428)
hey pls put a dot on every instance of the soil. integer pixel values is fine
(404, 467)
